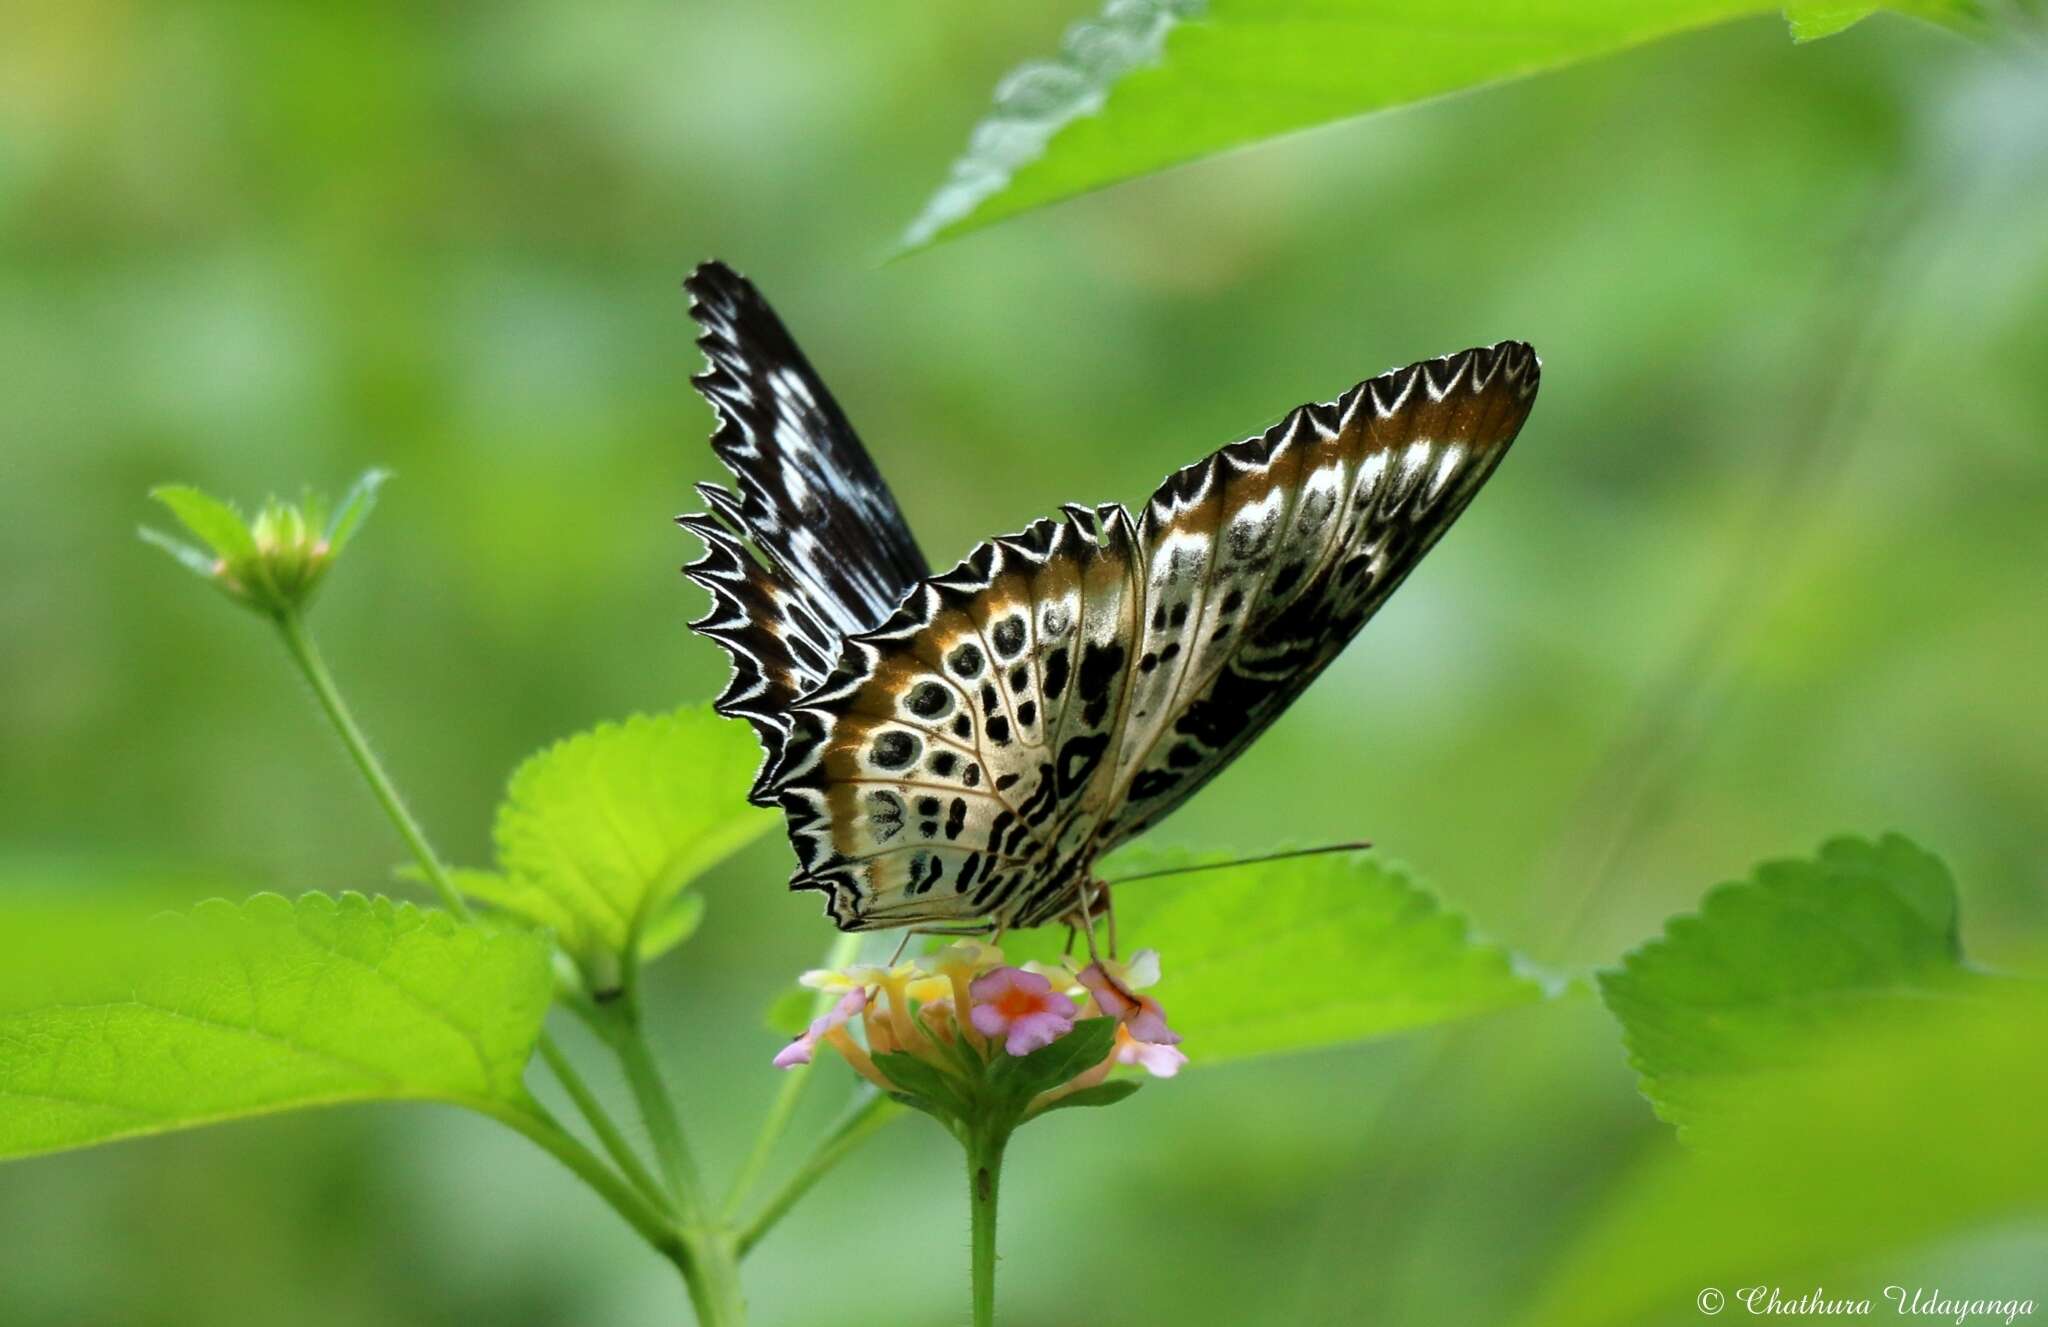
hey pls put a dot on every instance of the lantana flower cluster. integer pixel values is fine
(964, 1010)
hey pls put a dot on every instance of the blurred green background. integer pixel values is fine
(1767, 565)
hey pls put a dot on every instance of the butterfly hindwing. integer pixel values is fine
(932, 774)
(1065, 688)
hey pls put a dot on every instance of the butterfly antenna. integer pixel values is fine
(1353, 846)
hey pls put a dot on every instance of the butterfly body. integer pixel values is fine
(966, 756)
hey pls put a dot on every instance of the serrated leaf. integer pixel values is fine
(1896, 1130)
(218, 525)
(353, 509)
(1154, 83)
(599, 832)
(1102, 1094)
(274, 1004)
(1772, 966)
(1292, 955)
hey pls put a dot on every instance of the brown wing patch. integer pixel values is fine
(1062, 689)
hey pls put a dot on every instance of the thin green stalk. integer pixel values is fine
(657, 1110)
(863, 1119)
(534, 1122)
(984, 1185)
(710, 1258)
(601, 1124)
(791, 1091)
(299, 644)
(314, 669)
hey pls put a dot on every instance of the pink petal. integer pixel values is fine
(1113, 1001)
(1032, 1031)
(1149, 1024)
(849, 1004)
(1158, 1061)
(797, 1052)
(998, 982)
(988, 1020)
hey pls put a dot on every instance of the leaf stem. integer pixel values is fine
(791, 1091)
(533, 1120)
(601, 1124)
(984, 1184)
(863, 1119)
(658, 1112)
(710, 1256)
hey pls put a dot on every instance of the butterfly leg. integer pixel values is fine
(1095, 900)
(908, 936)
(1096, 903)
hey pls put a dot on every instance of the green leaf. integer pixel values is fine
(227, 1011)
(1023, 1077)
(1773, 965)
(195, 560)
(1292, 955)
(1812, 21)
(1102, 1094)
(1153, 83)
(599, 833)
(924, 1087)
(1898, 1130)
(354, 509)
(675, 923)
(216, 523)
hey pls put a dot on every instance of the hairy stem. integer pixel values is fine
(866, 1117)
(658, 1112)
(533, 1121)
(710, 1256)
(601, 1124)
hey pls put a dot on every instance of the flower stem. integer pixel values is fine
(647, 1196)
(791, 1091)
(984, 1183)
(869, 1112)
(314, 669)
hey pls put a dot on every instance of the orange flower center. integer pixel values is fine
(1017, 1003)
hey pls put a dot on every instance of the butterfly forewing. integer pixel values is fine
(812, 547)
(1264, 560)
(1065, 688)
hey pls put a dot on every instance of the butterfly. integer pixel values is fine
(955, 751)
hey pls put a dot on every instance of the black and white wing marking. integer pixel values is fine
(811, 547)
(1063, 689)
